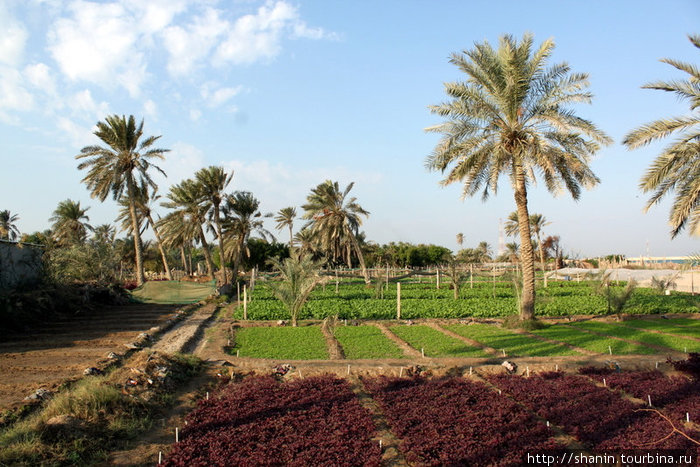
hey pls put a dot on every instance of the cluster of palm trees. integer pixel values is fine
(511, 116)
(8, 226)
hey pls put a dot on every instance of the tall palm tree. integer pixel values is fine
(178, 233)
(70, 225)
(104, 233)
(8, 229)
(187, 198)
(213, 181)
(511, 116)
(144, 212)
(307, 242)
(512, 226)
(285, 218)
(123, 164)
(460, 239)
(241, 219)
(335, 221)
(677, 168)
(537, 222)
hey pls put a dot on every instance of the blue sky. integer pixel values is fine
(290, 93)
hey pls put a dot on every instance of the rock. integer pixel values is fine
(39, 394)
(113, 356)
(92, 371)
(510, 367)
(281, 322)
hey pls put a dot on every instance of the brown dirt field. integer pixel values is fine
(55, 352)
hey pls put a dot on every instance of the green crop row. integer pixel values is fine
(435, 343)
(592, 342)
(672, 342)
(513, 343)
(300, 343)
(366, 342)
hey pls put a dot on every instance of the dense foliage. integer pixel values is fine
(261, 421)
(452, 421)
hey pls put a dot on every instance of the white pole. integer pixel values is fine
(471, 276)
(422, 352)
(245, 302)
(177, 435)
(238, 295)
(160, 457)
(398, 300)
(437, 274)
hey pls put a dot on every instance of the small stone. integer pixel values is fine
(92, 371)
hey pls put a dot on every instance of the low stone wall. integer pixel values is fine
(20, 264)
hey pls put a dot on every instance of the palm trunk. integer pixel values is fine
(527, 259)
(183, 258)
(544, 271)
(291, 238)
(163, 257)
(138, 247)
(361, 258)
(207, 253)
(238, 252)
(222, 256)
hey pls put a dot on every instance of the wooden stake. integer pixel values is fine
(238, 295)
(300, 376)
(207, 395)
(160, 457)
(238, 353)
(471, 276)
(422, 352)
(245, 302)
(401, 372)
(528, 371)
(605, 383)
(437, 274)
(687, 417)
(348, 369)
(556, 367)
(610, 349)
(470, 371)
(504, 352)
(177, 435)
(398, 300)
(649, 399)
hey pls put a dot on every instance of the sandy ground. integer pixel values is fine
(62, 350)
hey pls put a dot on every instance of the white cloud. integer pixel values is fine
(150, 108)
(217, 97)
(258, 36)
(39, 76)
(79, 135)
(83, 105)
(195, 114)
(13, 95)
(180, 163)
(12, 39)
(190, 44)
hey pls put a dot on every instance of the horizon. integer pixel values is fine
(289, 94)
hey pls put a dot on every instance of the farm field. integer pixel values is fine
(366, 342)
(594, 343)
(61, 350)
(423, 300)
(513, 343)
(435, 343)
(485, 419)
(676, 343)
(300, 343)
(662, 326)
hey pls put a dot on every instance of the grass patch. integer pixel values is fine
(435, 343)
(686, 322)
(672, 342)
(592, 342)
(83, 422)
(513, 343)
(366, 342)
(661, 325)
(300, 343)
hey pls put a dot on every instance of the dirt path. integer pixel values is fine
(184, 336)
(59, 351)
(466, 340)
(335, 350)
(407, 349)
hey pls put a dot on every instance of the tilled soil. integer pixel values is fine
(61, 350)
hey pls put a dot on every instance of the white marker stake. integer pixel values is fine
(657, 365)
(177, 435)
(207, 395)
(504, 352)
(528, 371)
(470, 370)
(556, 367)
(604, 383)
(687, 417)
(300, 376)
(229, 342)
(238, 353)
(422, 352)
(348, 369)
(610, 350)
(380, 444)
(685, 349)
(401, 372)
(160, 457)
(499, 391)
(547, 423)
(649, 399)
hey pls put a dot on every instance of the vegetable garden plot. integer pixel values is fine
(513, 343)
(452, 421)
(686, 323)
(672, 342)
(366, 342)
(434, 343)
(261, 421)
(598, 417)
(677, 396)
(663, 326)
(300, 343)
(592, 342)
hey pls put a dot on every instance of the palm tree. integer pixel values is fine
(677, 168)
(511, 116)
(335, 222)
(299, 276)
(123, 165)
(513, 251)
(187, 198)
(460, 239)
(178, 233)
(8, 229)
(241, 219)
(512, 226)
(307, 242)
(485, 251)
(70, 223)
(537, 222)
(213, 181)
(144, 212)
(104, 234)
(285, 218)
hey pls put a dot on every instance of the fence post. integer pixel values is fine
(245, 302)
(437, 273)
(471, 276)
(398, 300)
